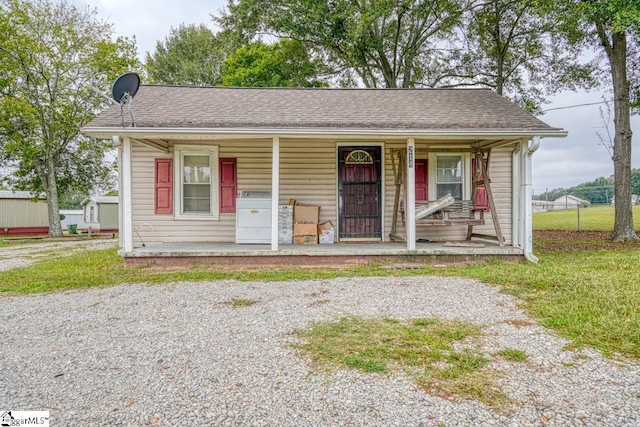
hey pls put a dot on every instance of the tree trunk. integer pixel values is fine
(53, 206)
(623, 229)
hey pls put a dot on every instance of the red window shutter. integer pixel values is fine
(164, 186)
(482, 200)
(228, 185)
(422, 179)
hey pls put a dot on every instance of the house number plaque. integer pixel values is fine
(410, 156)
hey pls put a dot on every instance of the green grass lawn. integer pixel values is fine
(585, 287)
(593, 218)
(423, 348)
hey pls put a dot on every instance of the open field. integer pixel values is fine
(593, 218)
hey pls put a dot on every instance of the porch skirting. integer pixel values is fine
(298, 255)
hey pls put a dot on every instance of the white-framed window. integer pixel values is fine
(449, 174)
(92, 214)
(196, 182)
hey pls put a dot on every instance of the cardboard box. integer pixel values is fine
(306, 213)
(305, 240)
(326, 233)
(305, 230)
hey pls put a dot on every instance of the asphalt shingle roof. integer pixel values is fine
(268, 108)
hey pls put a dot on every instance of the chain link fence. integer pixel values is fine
(568, 215)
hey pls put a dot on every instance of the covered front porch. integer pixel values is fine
(373, 161)
(335, 254)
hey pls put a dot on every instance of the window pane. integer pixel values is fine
(449, 176)
(197, 198)
(454, 189)
(196, 169)
(449, 169)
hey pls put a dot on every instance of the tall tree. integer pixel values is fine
(282, 64)
(514, 48)
(613, 27)
(53, 54)
(380, 43)
(190, 55)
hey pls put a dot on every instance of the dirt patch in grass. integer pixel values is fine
(578, 241)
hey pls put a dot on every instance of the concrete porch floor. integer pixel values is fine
(359, 253)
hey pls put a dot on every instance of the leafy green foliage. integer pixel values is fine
(513, 47)
(283, 64)
(380, 43)
(190, 55)
(635, 181)
(53, 53)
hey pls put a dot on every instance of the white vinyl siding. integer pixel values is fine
(500, 171)
(307, 174)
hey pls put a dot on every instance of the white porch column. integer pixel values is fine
(118, 144)
(411, 194)
(275, 191)
(127, 201)
(527, 238)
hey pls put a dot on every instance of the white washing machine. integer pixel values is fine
(253, 217)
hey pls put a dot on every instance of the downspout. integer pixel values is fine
(528, 209)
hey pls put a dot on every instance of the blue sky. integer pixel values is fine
(558, 163)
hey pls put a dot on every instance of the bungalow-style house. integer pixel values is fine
(22, 214)
(418, 173)
(100, 213)
(569, 202)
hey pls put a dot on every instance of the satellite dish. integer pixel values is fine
(124, 89)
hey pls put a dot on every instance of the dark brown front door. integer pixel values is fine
(360, 186)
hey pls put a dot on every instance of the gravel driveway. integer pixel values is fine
(16, 256)
(178, 355)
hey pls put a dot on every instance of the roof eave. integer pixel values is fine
(180, 132)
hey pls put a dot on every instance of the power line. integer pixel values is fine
(606, 101)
